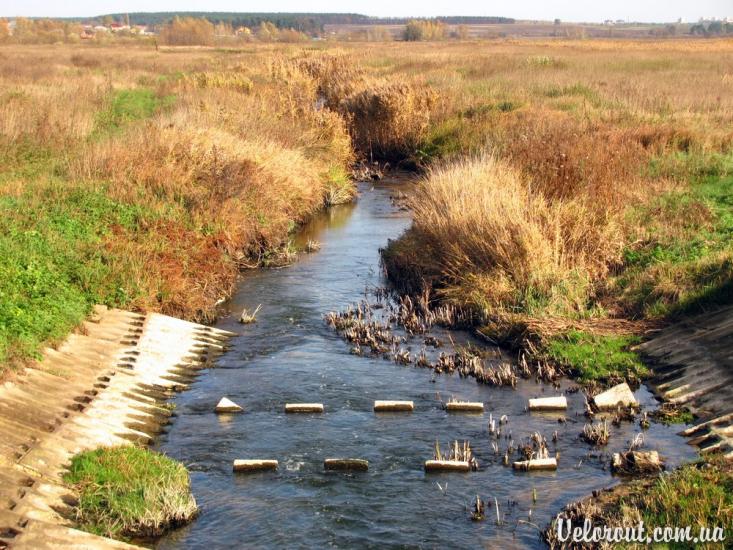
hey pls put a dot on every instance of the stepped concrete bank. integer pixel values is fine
(105, 385)
(693, 366)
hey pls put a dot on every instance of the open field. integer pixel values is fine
(572, 194)
(518, 29)
(170, 170)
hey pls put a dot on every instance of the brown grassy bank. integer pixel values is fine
(146, 179)
(575, 189)
(600, 168)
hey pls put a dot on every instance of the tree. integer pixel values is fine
(715, 27)
(188, 31)
(414, 31)
(424, 30)
(267, 32)
(698, 29)
(4, 30)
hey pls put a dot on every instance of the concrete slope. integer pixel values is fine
(693, 366)
(105, 385)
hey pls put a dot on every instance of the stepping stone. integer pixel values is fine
(548, 404)
(536, 464)
(227, 406)
(385, 406)
(447, 466)
(636, 462)
(241, 465)
(304, 408)
(464, 406)
(617, 395)
(346, 464)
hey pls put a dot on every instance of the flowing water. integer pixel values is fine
(291, 355)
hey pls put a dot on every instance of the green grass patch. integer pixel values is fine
(53, 263)
(682, 262)
(668, 413)
(129, 492)
(698, 495)
(130, 105)
(593, 357)
(339, 187)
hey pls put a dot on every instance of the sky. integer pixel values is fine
(566, 10)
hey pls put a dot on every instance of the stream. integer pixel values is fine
(291, 355)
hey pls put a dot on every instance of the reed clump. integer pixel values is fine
(389, 120)
(491, 241)
(596, 433)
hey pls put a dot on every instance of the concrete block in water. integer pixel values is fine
(464, 406)
(227, 406)
(636, 462)
(254, 465)
(536, 464)
(304, 408)
(348, 464)
(447, 466)
(548, 404)
(385, 406)
(612, 398)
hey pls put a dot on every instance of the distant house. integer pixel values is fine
(118, 27)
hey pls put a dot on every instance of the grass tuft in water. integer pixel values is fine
(130, 492)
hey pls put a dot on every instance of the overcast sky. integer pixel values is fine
(567, 10)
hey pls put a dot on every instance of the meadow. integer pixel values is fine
(570, 188)
(570, 193)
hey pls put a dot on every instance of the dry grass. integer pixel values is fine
(614, 140)
(203, 162)
(221, 154)
(494, 240)
(389, 120)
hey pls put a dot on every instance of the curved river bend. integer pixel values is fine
(291, 355)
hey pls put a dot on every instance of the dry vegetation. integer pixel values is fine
(557, 174)
(145, 180)
(571, 183)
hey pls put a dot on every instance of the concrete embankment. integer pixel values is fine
(105, 385)
(693, 365)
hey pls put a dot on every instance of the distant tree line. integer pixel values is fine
(711, 28)
(309, 23)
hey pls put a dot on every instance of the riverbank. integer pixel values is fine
(147, 180)
(106, 386)
(697, 495)
(567, 210)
